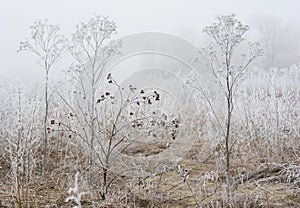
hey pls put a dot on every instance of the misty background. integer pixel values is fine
(273, 23)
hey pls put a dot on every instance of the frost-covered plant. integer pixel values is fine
(105, 116)
(48, 44)
(74, 193)
(268, 107)
(121, 118)
(91, 48)
(20, 141)
(227, 34)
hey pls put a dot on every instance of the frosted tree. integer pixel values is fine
(226, 34)
(48, 45)
(271, 30)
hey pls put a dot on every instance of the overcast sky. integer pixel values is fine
(185, 18)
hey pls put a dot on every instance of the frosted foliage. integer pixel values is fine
(20, 131)
(46, 42)
(269, 100)
(89, 40)
(227, 35)
(227, 32)
(92, 48)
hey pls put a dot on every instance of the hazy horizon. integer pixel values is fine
(184, 19)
